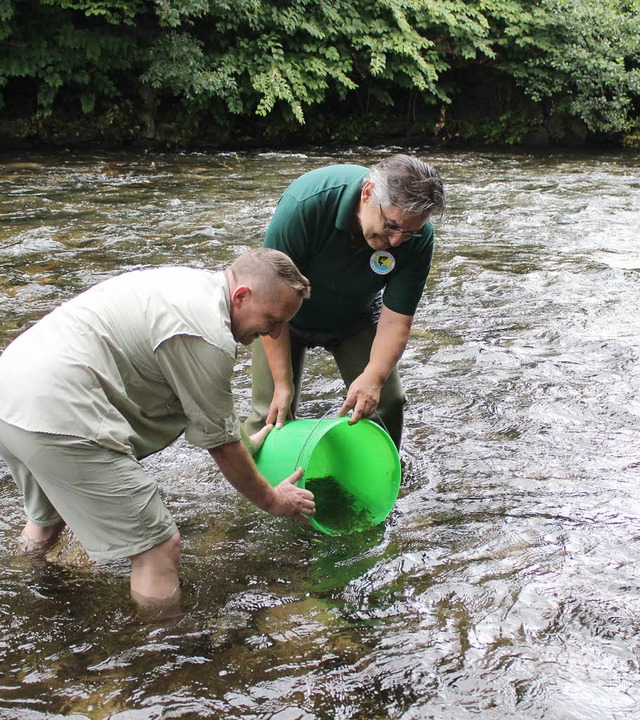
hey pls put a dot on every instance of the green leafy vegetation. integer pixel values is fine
(218, 72)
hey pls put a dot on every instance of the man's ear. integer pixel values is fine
(366, 192)
(240, 294)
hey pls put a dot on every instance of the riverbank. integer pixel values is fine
(457, 128)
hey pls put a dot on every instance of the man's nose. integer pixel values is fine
(396, 238)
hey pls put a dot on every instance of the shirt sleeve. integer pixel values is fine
(200, 375)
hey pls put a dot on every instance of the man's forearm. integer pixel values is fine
(390, 342)
(240, 470)
(238, 467)
(278, 354)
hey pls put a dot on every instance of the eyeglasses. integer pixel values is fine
(392, 228)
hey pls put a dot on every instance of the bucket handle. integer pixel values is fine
(315, 427)
(381, 422)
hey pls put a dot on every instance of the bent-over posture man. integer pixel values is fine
(118, 373)
(364, 240)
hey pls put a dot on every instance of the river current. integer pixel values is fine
(505, 584)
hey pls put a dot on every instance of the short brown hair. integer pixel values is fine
(270, 268)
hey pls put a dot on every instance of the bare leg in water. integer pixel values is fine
(154, 575)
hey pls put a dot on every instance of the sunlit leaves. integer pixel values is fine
(173, 13)
(177, 64)
(114, 12)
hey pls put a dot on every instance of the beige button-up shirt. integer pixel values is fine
(130, 364)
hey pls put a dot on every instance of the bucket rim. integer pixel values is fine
(328, 424)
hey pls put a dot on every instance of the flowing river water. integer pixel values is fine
(505, 584)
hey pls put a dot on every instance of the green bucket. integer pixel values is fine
(352, 470)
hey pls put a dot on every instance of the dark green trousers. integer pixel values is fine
(351, 356)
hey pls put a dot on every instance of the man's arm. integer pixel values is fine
(278, 354)
(199, 374)
(391, 339)
(288, 231)
(237, 466)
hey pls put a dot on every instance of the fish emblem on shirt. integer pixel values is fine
(382, 262)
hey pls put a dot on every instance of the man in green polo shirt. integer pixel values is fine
(364, 240)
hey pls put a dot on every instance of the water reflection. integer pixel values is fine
(504, 584)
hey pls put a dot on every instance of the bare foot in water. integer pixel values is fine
(38, 540)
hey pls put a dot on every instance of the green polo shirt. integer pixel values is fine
(312, 224)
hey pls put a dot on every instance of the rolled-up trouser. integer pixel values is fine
(351, 356)
(105, 497)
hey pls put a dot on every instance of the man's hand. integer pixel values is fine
(236, 465)
(280, 405)
(363, 398)
(292, 500)
(392, 334)
(257, 439)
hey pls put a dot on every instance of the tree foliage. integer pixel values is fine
(216, 63)
(579, 58)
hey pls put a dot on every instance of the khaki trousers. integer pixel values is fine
(112, 506)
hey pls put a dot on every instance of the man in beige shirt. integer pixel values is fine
(118, 373)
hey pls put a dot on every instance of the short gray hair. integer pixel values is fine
(269, 268)
(407, 183)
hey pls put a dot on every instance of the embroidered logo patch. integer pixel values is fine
(382, 262)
